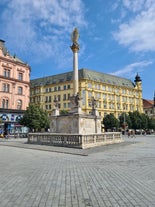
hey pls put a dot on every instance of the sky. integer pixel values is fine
(115, 36)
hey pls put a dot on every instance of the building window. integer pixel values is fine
(64, 105)
(89, 85)
(6, 73)
(104, 96)
(20, 90)
(98, 95)
(118, 106)
(5, 103)
(46, 107)
(103, 88)
(64, 97)
(105, 105)
(20, 76)
(98, 87)
(109, 88)
(116, 90)
(89, 94)
(6, 87)
(68, 96)
(49, 98)
(46, 99)
(19, 104)
(69, 87)
(118, 98)
(59, 98)
(37, 91)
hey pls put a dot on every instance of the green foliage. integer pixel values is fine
(132, 120)
(137, 120)
(151, 123)
(35, 118)
(110, 122)
(125, 121)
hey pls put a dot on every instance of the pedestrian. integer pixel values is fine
(133, 134)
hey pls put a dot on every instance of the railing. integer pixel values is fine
(75, 140)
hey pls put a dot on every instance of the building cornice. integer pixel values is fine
(14, 80)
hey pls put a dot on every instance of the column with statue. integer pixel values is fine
(75, 99)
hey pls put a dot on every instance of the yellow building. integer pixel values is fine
(113, 94)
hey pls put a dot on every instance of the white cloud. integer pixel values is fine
(41, 27)
(135, 5)
(115, 5)
(130, 70)
(139, 32)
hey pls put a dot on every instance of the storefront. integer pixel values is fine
(9, 122)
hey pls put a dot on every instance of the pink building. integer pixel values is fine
(14, 87)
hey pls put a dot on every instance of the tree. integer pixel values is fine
(110, 122)
(35, 118)
(151, 123)
(136, 120)
(125, 121)
(144, 121)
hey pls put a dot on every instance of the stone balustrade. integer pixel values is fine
(75, 140)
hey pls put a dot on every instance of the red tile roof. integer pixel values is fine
(148, 103)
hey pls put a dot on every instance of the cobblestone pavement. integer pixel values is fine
(119, 175)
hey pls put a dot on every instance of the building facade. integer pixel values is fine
(149, 107)
(14, 88)
(113, 94)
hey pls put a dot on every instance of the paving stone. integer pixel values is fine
(119, 175)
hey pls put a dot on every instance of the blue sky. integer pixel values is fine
(116, 36)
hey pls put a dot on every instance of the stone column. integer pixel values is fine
(75, 99)
(75, 48)
(75, 72)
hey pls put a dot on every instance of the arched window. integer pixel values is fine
(5, 103)
(19, 104)
(6, 87)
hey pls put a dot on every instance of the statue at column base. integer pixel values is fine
(75, 104)
(95, 112)
(55, 111)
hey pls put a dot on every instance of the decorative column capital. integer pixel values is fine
(75, 47)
